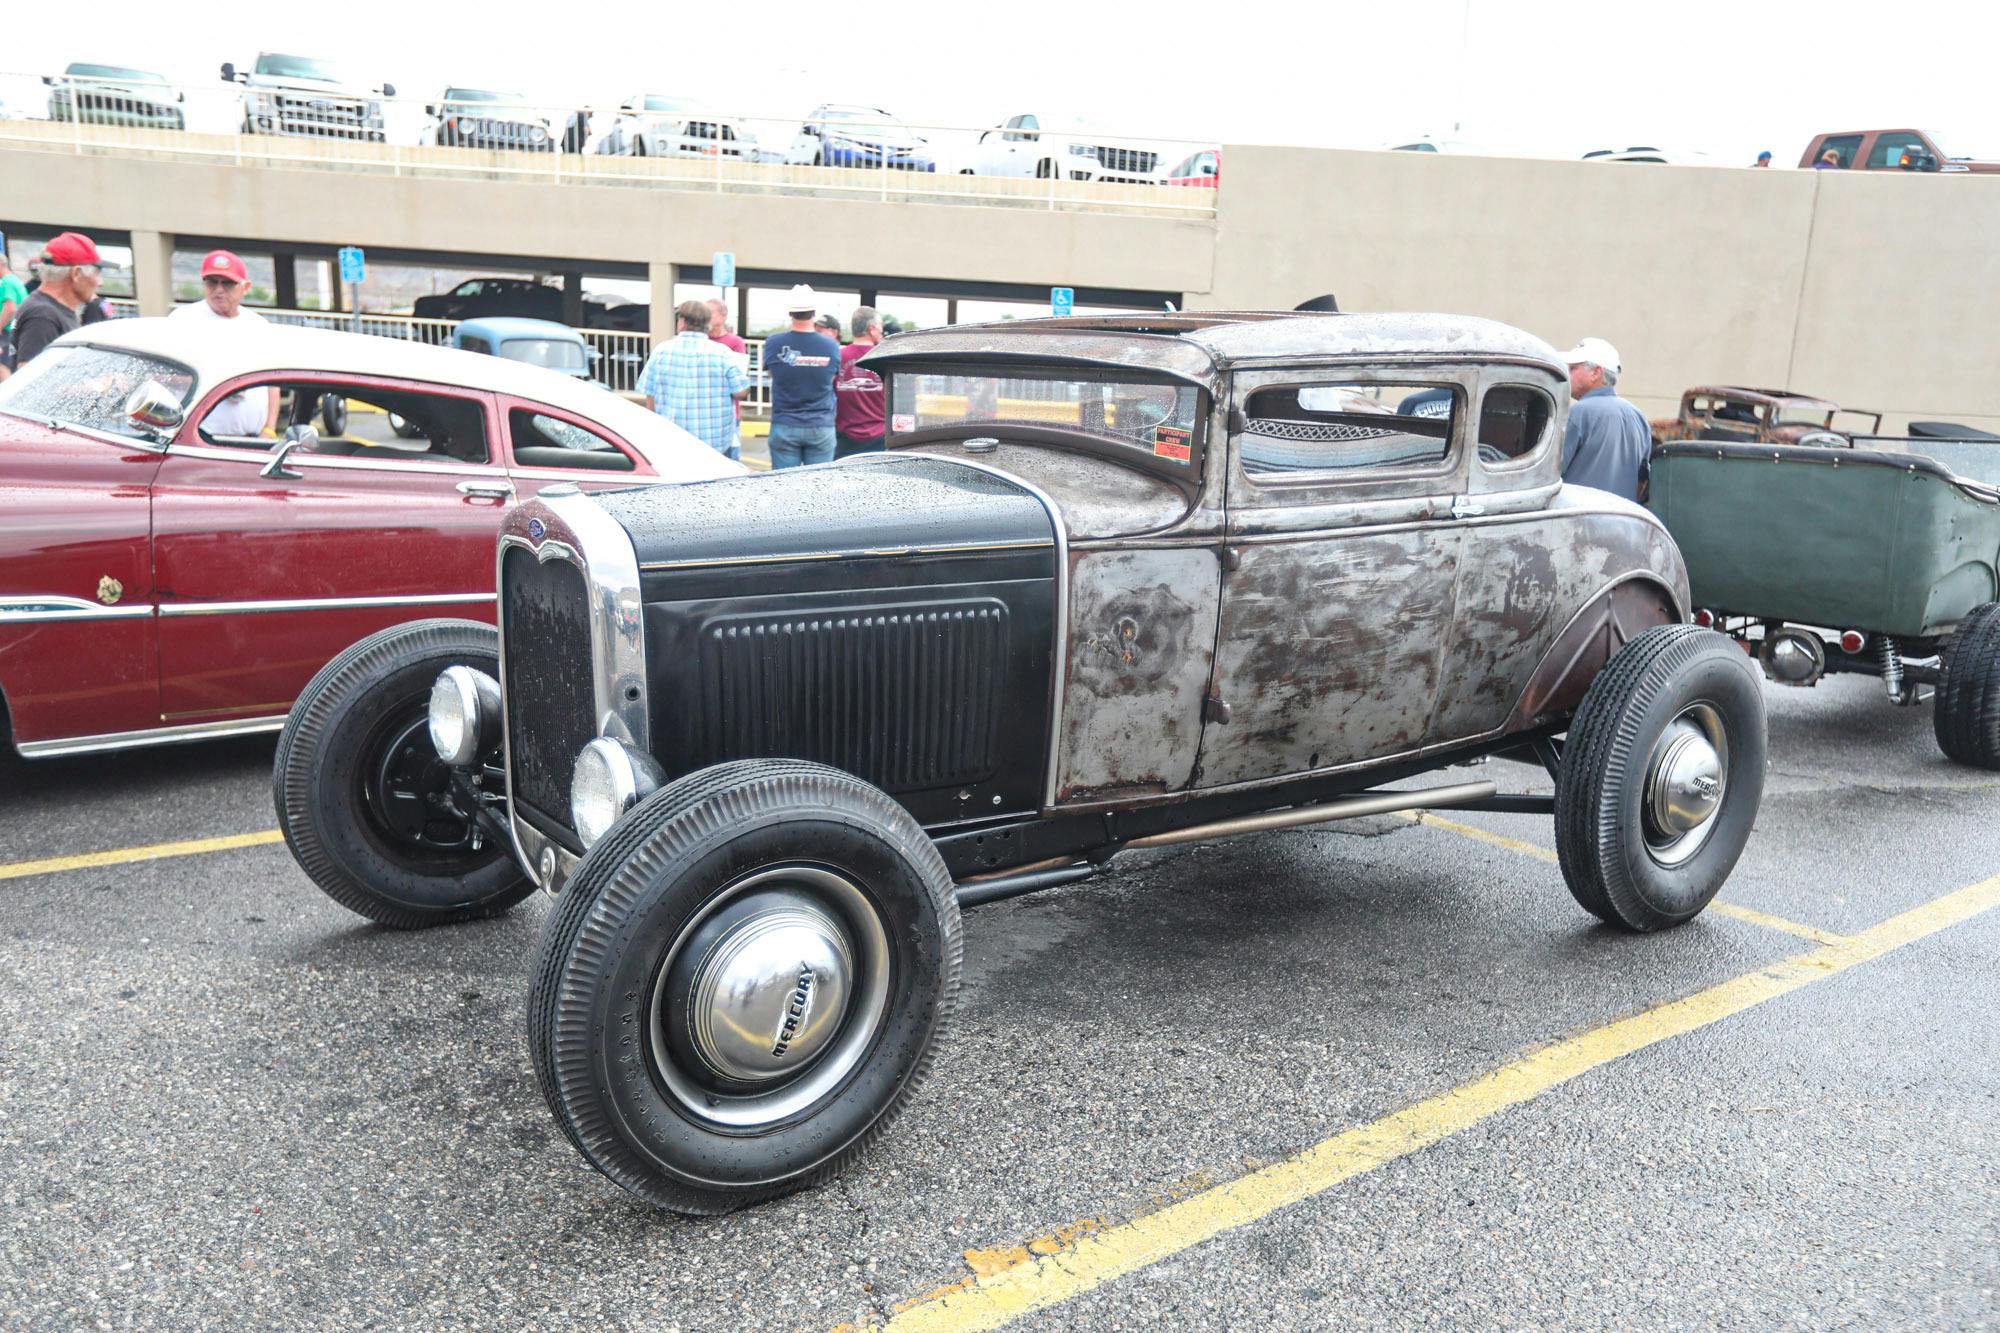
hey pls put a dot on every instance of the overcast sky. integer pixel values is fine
(1528, 75)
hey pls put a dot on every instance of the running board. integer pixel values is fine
(993, 888)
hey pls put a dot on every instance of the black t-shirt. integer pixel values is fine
(42, 320)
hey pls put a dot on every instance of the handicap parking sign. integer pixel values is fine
(353, 264)
(1062, 300)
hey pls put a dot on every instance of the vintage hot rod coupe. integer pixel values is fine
(163, 580)
(1115, 584)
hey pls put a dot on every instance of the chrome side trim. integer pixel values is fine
(21, 610)
(322, 603)
(1059, 665)
(576, 529)
(338, 462)
(860, 552)
(132, 740)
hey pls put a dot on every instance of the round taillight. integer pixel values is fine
(1852, 641)
(1705, 619)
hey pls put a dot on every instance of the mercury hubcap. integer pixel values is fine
(770, 996)
(1686, 777)
(767, 996)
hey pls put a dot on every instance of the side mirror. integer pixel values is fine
(296, 437)
(430, 108)
(228, 72)
(154, 410)
(180, 97)
(388, 90)
(813, 130)
(49, 79)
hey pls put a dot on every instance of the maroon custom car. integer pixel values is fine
(164, 580)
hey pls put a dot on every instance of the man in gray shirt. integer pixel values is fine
(1608, 440)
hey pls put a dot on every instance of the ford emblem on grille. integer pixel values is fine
(537, 529)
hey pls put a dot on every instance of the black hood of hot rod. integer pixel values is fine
(878, 503)
(893, 617)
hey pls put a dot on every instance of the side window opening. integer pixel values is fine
(1346, 427)
(1513, 421)
(541, 440)
(378, 424)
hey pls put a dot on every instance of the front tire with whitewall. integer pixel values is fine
(1661, 778)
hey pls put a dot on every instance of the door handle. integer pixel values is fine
(1462, 507)
(486, 490)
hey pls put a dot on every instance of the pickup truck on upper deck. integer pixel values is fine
(1891, 150)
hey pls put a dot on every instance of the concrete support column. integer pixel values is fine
(951, 310)
(572, 305)
(662, 276)
(285, 290)
(153, 271)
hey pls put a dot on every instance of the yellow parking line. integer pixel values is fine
(152, 852)
(1481, 835)
(1099, 1256)
(1747, 915)
(1769, 922)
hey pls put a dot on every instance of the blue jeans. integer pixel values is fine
(793, 446)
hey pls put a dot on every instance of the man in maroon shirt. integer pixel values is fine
(859, 416)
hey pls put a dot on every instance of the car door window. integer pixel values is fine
(541, 440)
(1513, 422)
(1302, 430)
(1889, 148)
(373, 422)
(1846, 145)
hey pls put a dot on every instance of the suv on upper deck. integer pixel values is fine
(1115, 584)
(304, 95)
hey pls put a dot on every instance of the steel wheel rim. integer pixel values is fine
(865, 1009)
(403, 769)
(1687, 782)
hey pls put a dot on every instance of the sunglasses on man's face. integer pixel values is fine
(215, 282)
(90, 270)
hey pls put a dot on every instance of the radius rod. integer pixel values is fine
(1032, 879)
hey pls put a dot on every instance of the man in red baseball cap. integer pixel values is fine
(72, 271)
(225, 281)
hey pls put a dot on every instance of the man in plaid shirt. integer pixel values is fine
(695, 383)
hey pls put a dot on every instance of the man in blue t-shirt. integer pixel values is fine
(802, 365)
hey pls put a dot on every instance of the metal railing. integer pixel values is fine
(693, 149)
(616, 355)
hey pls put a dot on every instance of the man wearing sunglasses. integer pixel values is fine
(225, 281)
(72, 271)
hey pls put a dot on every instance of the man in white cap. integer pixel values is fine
(1608, 440)
(802, 364)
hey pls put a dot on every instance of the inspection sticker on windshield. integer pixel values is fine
(903, 422)
(1175, 442)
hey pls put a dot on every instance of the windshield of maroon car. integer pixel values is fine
(551, 352)
(80, 385)
(1158, 419)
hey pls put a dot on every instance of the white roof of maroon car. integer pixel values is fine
(216, 351)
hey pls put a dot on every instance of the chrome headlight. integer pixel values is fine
(610, 778)
(465, 707)
(536, 134)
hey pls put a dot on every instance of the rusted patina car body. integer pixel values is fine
(1730, 413)
(1113, 585)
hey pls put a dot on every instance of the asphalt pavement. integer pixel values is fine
(1381, 1074)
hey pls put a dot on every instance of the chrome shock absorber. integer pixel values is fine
(1892, 670)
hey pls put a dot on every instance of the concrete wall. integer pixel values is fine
(1874, 289)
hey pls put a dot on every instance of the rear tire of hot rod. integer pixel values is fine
(1965, 716)
(356, 784)
(1660, 778)
(744, 914)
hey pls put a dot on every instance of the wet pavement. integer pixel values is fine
(227, 1103)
